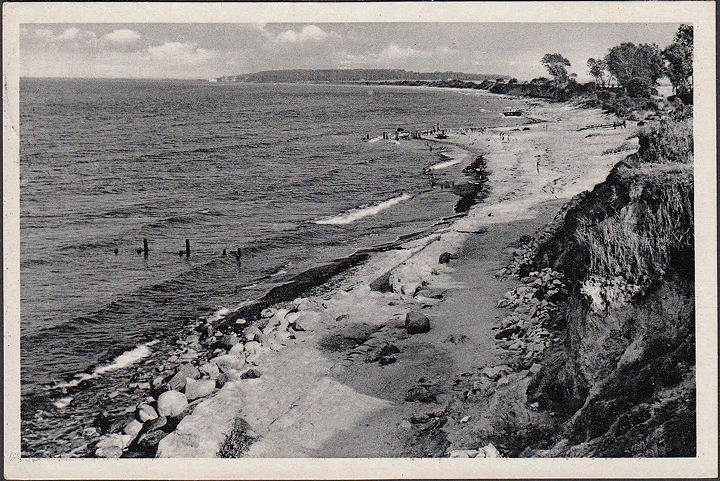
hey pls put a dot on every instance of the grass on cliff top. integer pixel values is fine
(639, 241)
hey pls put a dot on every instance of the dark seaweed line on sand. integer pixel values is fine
(470, 194)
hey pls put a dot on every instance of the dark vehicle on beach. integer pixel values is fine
(511, 112)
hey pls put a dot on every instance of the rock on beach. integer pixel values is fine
(171, 403)
(177, 382)
(197, 389)
(416, 323)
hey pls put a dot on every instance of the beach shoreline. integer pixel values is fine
(331, 322)
(365, 305)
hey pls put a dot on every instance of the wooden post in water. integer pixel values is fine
(145, 247)
(187, 248)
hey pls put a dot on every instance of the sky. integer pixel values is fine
(205, 50)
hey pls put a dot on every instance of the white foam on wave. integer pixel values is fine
(219, 314)
(444, 165)
(360, 213)
(63, 402)
(124, 360)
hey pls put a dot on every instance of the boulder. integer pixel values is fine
(110, 446)
(221, 380)
(445, 258)
(211, 369)
(157, 423)
(253, 347)
(307, 305)
(496, 372)
(250, 374)
(171, 403)
(133, 428)
(488, 451)
(148, 442)
(238, 350)
(420, 394)
(146, 412)
(307, 320)
(463, 453)
(389, 349)
(177, 382)
(507, 333)
(292, 317)
(267, 313)
(227, 362)
(229, 340)
(197, 389)
(430, 293)
(251, 333)
(416, 323)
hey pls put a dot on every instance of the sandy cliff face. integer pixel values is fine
(623, 378)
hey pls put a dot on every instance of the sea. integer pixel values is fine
(292, 174)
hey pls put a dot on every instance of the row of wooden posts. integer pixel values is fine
(145, 250)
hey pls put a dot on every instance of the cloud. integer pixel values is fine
(67, 35)
(121, 35)
(179, 52)
(308, 32)
(393, 53)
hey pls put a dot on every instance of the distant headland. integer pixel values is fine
(351, 75)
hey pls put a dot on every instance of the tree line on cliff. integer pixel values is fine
(624, 80)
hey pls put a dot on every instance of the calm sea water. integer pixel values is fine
(278, 170)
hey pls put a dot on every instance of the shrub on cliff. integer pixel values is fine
(670, 142)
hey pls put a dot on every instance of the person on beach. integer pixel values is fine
(537, 166)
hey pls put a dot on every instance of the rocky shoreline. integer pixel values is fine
(338, 343)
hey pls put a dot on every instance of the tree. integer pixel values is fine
(598, 70)
(555, 64)
(679, 58)
(628, 61)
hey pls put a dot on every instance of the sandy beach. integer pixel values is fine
(336, 374)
